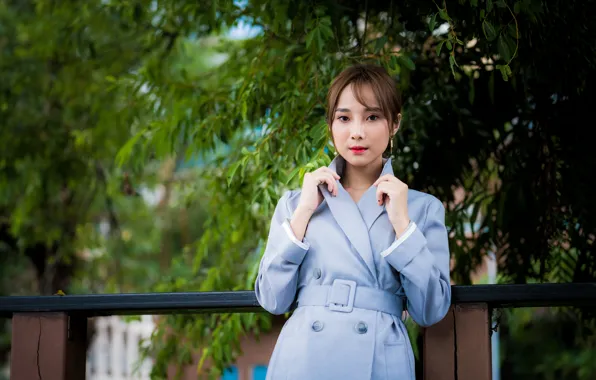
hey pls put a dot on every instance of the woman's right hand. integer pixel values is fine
(311, 197)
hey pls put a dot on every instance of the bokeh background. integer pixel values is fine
(144, 145)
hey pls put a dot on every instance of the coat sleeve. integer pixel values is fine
(277, 279)
(422, 258)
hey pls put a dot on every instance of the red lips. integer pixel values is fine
(358, 149)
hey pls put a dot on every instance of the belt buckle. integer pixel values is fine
(338, 300)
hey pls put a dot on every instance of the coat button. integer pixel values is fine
(361, 328)
(317, 326)
(316, 273)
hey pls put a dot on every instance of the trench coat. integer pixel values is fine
(347, 283)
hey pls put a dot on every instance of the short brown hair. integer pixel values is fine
(383, 86)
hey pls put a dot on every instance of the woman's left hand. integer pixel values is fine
(394, 193)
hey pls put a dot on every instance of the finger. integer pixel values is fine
(326, 169)
(380, 193)
(335, 185)
(328, 179)
(322, 179)
(333, 180)
(385, 190)
(383, 178)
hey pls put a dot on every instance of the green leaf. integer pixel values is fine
(310, 37)
(449, 45)
(325, 27)
(489, 30)
(474, 3)
(501, 4)
(125, 152)
(380, 43)
(504, 71)
(244, 109)
(444, 15)
(489, 6)
(503, 46)
(394, 65)
(511, 29)
(439, 47)
(407, 62)
(232, 171)
(292, 175)
(432, 23)
(452, 63)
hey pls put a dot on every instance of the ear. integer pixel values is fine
(396, 125)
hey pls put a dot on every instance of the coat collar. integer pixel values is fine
(356, 219)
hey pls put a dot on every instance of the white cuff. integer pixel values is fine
(411, 228)
(288, 229)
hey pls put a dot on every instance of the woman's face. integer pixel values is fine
(360, 134)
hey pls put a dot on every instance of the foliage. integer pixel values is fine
(492, 105)
(569, 351)
(62, 122)
(153, 245)
(60, 126)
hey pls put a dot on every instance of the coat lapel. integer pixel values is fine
(369, 208)
(355, 220)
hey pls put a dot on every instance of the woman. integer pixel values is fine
(352, 247)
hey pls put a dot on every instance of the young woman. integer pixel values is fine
(350, 248)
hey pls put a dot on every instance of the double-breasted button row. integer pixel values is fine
(360, 327)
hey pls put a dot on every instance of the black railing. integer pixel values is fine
(495, 296)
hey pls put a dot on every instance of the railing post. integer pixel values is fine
(438, 355)
(459, 347)
(48, 346)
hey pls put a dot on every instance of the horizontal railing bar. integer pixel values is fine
(133, 303)
(496, 296)
(527, 295)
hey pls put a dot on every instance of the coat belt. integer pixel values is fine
(344, 295)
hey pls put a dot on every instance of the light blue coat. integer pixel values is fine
(353, 329)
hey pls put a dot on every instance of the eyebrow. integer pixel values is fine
(367, 109)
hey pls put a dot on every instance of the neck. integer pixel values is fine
(361, 177)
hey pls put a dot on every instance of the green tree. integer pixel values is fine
(60, 127)
(62, 121)
(494, 97)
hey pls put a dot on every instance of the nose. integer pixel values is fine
(357, 131)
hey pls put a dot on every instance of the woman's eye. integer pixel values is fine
(373, 117)
(343, 118)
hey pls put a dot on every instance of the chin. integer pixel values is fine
(360, 161)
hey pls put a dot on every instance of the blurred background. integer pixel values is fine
(145, 143)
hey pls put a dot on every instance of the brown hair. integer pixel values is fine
(383, 86)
